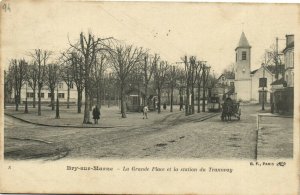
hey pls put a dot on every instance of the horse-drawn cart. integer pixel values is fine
(230, 108)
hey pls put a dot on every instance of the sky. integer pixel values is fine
(209, 31)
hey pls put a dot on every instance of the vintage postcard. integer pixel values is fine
(149, 97)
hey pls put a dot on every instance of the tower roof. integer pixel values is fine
(243, 43)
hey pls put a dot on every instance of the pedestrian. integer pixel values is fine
(96, 114)
(165, 106)
(145, 112)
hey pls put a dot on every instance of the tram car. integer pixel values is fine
(213, 104)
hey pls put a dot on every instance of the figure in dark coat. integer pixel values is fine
(96, 114)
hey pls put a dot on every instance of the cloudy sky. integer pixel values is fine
(209, 31)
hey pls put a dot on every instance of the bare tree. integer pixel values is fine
(188, 76)
(78, 76)
(194, 67)
(123, 59)
(160, 75)
(198, 80)
(32, 79)
(147, 71)
(87, 47)
(8, 86)
(41, 58)
(98, 69)
(18, 69)
(205, 73)
(271, 57)
(173, 75)
(52, 79)
(67, 77)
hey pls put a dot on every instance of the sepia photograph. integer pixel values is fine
(149, 82)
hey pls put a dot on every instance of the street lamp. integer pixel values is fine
(26, 105)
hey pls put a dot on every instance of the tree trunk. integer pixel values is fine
(146, 102)
(203, 97)
(91, 102)
(52, 99)
(39, 101)
(86, 117)
(33, 103)
(16, 101)
(171, 105)
(187, 101)
(98, 99)
(192, 111)
(79, 101)
(168, 92)
(68, 98)
(180, 99)
(198, 101)
(123, 108)
(159, 100)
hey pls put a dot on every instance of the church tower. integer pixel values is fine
(242, 69)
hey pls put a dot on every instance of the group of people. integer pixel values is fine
(96, 113)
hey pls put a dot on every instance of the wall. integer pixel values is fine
(243, 90)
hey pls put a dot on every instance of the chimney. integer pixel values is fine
(289, 39)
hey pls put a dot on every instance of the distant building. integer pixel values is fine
(46, 95)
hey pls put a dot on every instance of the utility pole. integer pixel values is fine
(276, 60)
(263, 90)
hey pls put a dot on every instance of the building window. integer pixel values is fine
(42, 95)
(232, 84)
(60, 85)
(71, 86)
(61, 95)
(30, 95)
(244, 55)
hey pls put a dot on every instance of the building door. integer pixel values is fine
(262, 95)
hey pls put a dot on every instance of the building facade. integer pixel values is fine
(283, 88)
(246, 82)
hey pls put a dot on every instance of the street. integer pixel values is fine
(173, 135)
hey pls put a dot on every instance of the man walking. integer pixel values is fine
(145, 112)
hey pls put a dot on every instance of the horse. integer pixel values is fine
(227, 110)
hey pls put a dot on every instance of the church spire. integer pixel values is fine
(243, 43)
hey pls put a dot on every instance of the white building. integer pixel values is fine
(46, 95)
(246, 81)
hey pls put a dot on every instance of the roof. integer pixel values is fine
(279, 82)
(253, 71)
(271, 68)
(243, 42)
(227, 76)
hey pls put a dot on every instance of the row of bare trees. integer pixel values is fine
(97, 65)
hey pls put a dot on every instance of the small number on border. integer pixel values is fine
(6, 7)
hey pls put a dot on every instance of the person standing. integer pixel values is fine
(96, 114)
(145, 112)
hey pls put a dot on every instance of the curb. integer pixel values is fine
(64, 126)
